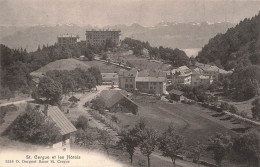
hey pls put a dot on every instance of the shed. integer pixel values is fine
(176, 95)
(117, 101)
(73, 99)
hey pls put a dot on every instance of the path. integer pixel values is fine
(16, 102)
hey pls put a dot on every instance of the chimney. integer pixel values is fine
(45, 110)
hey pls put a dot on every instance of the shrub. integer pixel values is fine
(224, 106)
(82, 122)
(233, 109)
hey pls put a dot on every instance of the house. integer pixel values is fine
(198, 78)
(65, 127)
(151, 81)
(109, 78)
(118, 101)
(176, 95)
(126, 79)
(82, 58)
(181, 76)
(73, 99)
(210, 70)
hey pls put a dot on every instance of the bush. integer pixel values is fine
(224, 106)
(233, 109)
(82, 122)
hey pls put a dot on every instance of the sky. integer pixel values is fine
(111, 12)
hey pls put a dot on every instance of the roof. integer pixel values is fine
(73, 99)
(111, 97)
(151, 73)
(151, 76)
(150, 79)
(182, 71)
(109, 75)
(61, 121)
(68, 36)
(128, 73)
(207, 67)
(176, 92)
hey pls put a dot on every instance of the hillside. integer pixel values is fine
(240, 44)
(175, 35)
(63, 64)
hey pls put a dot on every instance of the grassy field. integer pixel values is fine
(63, 64)
(103, 67)
(138, 62)
(194, 122)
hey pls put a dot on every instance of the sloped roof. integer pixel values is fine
(151, 76)
(176, 92)
(61, 121)
(111, 97)
(183, 70)
(73, 99)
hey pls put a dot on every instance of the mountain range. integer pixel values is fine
(167, 34)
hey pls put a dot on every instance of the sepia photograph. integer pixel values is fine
(129, 83)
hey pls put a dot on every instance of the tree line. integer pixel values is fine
(17, 64)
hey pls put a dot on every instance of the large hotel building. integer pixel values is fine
(66, 39)
(99, 37)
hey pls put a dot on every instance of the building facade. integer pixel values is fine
(126, 79)
(181, 76)
(198, 78)
(151, 81)
(99, 37)
(147, 81)
(67, 40)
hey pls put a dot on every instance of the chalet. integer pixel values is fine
(210, 70)
(118, 101)
(126, 79)
(64, 126)
(176, 95)
(73, 99)
(151, 81)
(181, 76)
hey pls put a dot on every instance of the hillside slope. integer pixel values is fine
(240, 44)
(63, 64)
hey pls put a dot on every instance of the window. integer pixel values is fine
(130, 80)
(131, 86)
(126, 85)
(126, 80)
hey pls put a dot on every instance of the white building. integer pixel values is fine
(181, 75)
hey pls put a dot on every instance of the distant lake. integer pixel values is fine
(192, 51)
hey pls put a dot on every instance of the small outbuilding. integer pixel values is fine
(118, 101)
(73, 99)
(176, 95)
